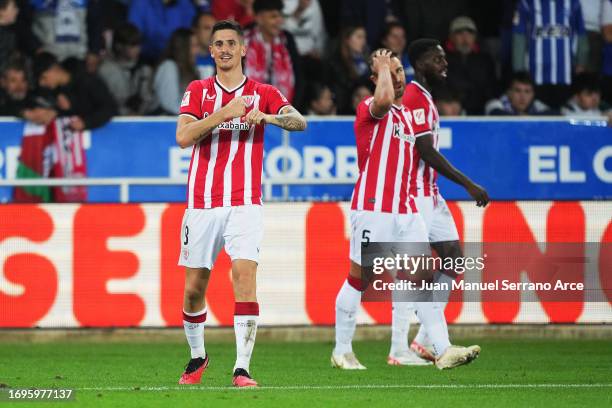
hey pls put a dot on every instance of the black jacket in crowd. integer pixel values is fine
(89, 97)
(473, 77)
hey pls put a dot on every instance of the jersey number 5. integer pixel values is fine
(365, 239)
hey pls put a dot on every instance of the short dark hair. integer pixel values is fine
(14, 65)
(315, 90)
(522, 77)
(126, 34)
(420, 47)
(585, 82)
(371, 57)
(5, 3)
(197, 17)
(267, 5)
(227, 25)
(42, 63)
(388, 28)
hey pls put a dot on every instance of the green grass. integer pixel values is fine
(93, 369)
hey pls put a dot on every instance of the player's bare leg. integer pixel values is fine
(347, 302)
(246, 314)
(194, 316)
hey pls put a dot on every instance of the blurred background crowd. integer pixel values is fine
(95, 59)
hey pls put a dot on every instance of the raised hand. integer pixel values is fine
(380, 59)
(235, 108)
(255, 117)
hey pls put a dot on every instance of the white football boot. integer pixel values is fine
(346, 361)
(406, 358)
(455, 356)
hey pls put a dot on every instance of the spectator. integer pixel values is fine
(157, 20)
(348, 65)
(518, 100)
(202, 27)
(237, 10)
(127, 78)
(394, 39)
(16, 36)
(69, 29)
(358, 94)
(546, 33)
(504, 60)
(430, 18)
(13, 89)
(471, 72)
(305, 22)
(607, 51)
(320, 100)
(592, 11)
(74, 92)
(373, 15)
(586, 98)
(272, 56)
(203, 6)
(176, 71)
(448, 102)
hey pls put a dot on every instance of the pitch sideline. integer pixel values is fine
(348, 387)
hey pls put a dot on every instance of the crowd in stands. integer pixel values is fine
(95, 59)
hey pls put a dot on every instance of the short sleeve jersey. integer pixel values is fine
(425, 120)
(226, 166)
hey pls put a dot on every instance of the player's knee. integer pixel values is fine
(194, 293)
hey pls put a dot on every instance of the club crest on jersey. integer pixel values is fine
(249, 99)
(186, 97)
(419, 116)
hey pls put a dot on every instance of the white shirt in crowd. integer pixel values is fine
(308, 29)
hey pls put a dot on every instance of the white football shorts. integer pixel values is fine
(438, 219)
(205, 231)
(374, 226)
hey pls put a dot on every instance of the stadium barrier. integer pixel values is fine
(115, 265)
(515, 159)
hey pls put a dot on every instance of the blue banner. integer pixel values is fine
(557, 159)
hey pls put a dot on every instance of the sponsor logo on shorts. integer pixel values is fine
(185, 253)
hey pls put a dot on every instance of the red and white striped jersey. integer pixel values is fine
(425, 119)
(226, 166)
(385, 149)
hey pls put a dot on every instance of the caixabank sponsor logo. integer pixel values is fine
(234, 126)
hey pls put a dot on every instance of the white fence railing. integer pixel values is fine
(124, 183)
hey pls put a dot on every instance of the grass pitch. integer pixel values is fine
(509, 373)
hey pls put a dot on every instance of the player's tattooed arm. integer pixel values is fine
(288, 118)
